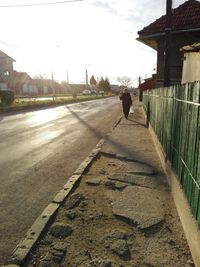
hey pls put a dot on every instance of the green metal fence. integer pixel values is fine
(175, 117)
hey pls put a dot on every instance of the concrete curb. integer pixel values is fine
(24, 248)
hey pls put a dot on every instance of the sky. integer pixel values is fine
(67, 37)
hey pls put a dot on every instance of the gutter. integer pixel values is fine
(162, 34)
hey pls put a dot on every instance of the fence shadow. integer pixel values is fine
(137, 123)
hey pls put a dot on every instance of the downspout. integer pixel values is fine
(167, 48)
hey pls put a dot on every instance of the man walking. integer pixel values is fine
(126, 99)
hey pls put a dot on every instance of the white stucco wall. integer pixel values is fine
(45, 89)
(3, 86)
(191, 67)
(27, 88)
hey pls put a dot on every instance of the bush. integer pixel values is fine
(7, 97)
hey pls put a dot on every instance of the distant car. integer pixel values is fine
(86, 92)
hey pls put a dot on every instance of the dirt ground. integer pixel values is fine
(87, 233)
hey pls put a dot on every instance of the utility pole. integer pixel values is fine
(68, 77)
(140, 90)
(53, 84)
(86, 78)
(139, 80)
(167, 49)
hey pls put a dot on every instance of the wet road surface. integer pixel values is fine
(39, 151)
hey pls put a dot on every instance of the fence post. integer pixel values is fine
(148, 113)
(140, 95)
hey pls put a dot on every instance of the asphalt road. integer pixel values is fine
(39, 151)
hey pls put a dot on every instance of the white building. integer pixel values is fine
(191, 63)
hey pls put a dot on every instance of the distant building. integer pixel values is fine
(22, 83)
(191, 63)
(114, 88)
(185, 30)
(45, 86)
(6, 69)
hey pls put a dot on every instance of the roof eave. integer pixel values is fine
(150, 39)
(148, 43)
(155, 35)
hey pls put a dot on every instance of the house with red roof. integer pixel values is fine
(185, 30)
(148, 83)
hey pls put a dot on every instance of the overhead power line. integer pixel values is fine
(44, 4)
(8, 44)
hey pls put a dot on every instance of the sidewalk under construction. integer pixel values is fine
(121, 213)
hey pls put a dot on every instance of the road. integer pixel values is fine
(39, 151)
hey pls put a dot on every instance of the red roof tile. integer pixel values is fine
(148, 84)
(185, 16)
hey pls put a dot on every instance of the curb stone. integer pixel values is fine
(23, 249)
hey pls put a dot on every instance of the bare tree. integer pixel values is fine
(40, 76)
(41, 81)
(124, 81)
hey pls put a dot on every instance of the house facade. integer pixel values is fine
(6, 70)
(22, 83)
(185, 29)
(19, 82)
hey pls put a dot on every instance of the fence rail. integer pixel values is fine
(175, 117)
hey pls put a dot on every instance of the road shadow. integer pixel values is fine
(92, 129)
(109, 139)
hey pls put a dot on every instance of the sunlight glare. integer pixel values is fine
(44, 116)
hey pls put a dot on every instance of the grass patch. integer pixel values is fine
(43, 101)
